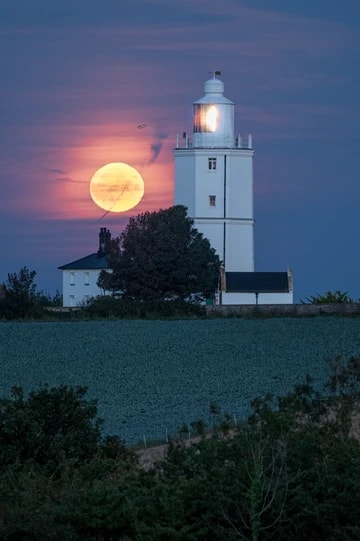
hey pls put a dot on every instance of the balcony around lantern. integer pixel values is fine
(242, 141)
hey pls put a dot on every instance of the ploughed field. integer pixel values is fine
(151, 377)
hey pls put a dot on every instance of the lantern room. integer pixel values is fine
(213, 118)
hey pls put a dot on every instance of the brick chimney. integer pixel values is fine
(104, 241)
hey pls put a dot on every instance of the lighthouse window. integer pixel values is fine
(211, 164)
(205, 118)
(212, 200)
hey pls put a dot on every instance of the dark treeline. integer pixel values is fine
(20, 299)
(291, 471)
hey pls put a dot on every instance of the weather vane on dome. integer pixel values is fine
(215, 73)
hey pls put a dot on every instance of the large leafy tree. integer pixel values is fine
(160, 255)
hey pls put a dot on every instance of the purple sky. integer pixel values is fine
(78, 77)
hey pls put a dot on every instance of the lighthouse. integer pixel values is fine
(214, 180)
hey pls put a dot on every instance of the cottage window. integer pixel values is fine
(72, 278)
(212, 200)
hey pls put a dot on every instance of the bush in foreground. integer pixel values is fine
(291, 471)
(110, 307)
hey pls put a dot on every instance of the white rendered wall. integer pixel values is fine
(263, 298)
(239, 165)
(239, 247)
(184, 185)
(214, 231)
(79, 286)
(229, 224)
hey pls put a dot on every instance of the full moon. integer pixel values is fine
(117, 187)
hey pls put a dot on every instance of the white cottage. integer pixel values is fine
(79, 278)
(214, 180)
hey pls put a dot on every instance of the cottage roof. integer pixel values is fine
(257, 282)
(95, 261)
(90, 262)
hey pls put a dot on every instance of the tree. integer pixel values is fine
(160, 255)
(57, 474)
(20, 294)
(44, 299)
(20, 286)
(323, 455)
(261, 484)
(49, 426)
(21, 298)
(344, 386)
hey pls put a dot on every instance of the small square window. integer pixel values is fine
(212, 164)
(212, 200)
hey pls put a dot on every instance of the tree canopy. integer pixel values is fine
(21, 299)
(20, 294)
(160, 255)
(50, 426)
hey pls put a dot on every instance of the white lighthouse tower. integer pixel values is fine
(214, 180)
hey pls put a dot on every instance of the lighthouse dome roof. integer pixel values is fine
(214, 86)
(214, 92)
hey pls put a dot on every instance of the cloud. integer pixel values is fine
(156, 147)
(58, 171)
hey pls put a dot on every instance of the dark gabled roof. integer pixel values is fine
(91, 262)
(257, 282)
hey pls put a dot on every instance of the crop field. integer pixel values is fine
(150, 377)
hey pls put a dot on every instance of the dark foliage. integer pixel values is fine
(22, 300)
(330, 297)
(110, 307)
(160, 255)
(292, 471)
(52, 426)
(20, 293)
(46, 300)
(49, 426)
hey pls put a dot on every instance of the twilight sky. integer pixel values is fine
(79, 76)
